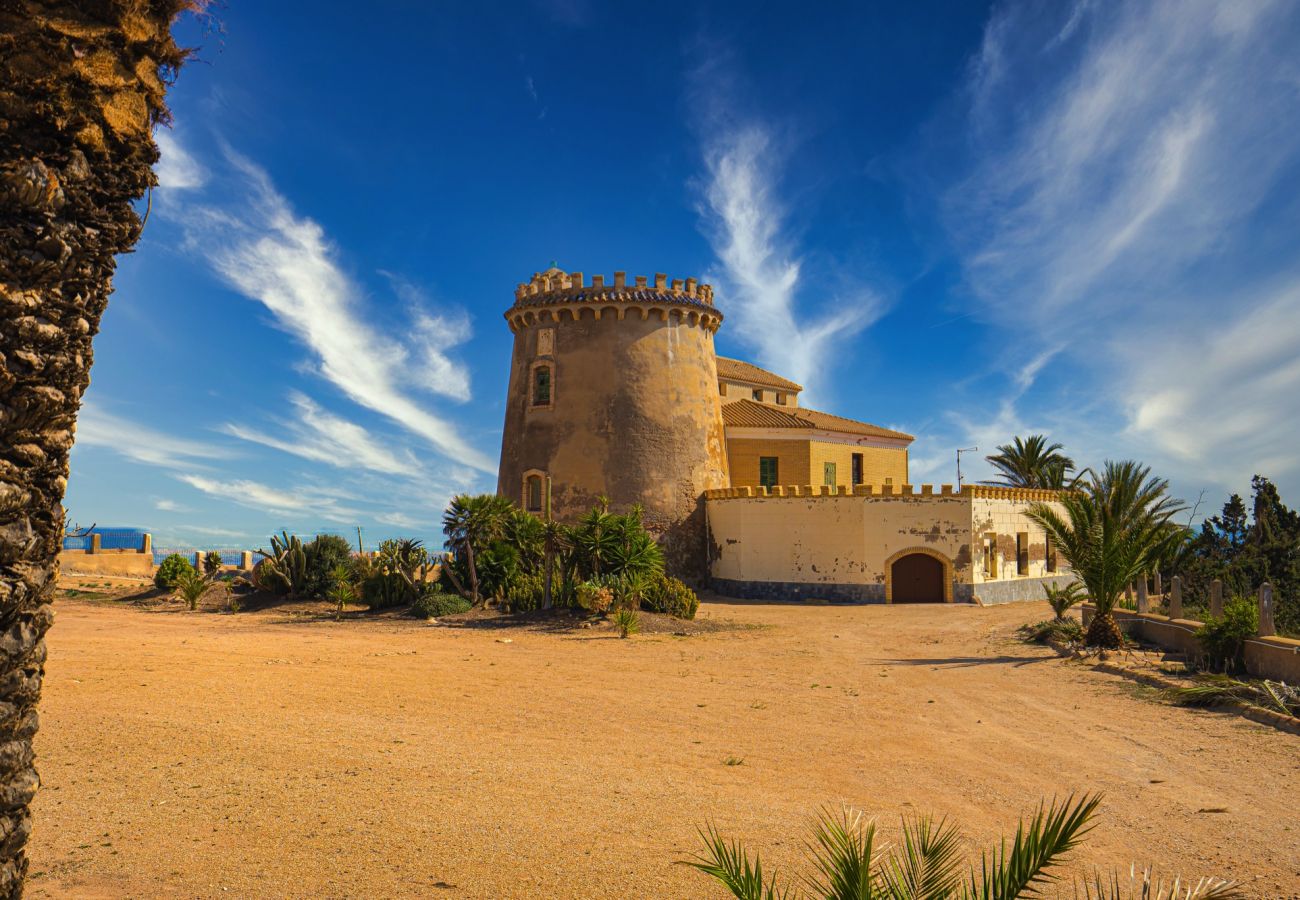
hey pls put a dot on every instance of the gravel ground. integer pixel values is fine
(265, 755)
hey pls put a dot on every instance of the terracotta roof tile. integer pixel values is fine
(738, 370)
(749, 414)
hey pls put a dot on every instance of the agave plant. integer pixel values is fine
(847, 862)
(191, 586)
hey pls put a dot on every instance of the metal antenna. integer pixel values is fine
(959, 453)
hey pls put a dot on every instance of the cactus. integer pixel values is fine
(284, 569)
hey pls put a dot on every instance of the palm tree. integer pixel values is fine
(1112, 532)
(82, 86)
(470, 523)
(848, 862)
(1062, 598)
(1032, 463)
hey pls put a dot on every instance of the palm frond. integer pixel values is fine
(1008, 873)
(728, 863)
(842, 852)
(925, 866)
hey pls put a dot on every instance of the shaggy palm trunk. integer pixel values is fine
(1104, 632)
(81, 85)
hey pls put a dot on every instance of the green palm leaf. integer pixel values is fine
(1008, 873)
(842, 851)
(926, 866)
(728, 863)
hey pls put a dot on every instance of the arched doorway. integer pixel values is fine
(917, 578)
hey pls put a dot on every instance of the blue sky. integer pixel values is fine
(965, 221)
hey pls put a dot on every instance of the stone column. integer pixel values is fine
(1175, 609)
(1266, 626)
(1216, 599)
(1143, 604)
(1159, 585)
(146, 544)
(94, 543)
(198, 561)
(246, 560)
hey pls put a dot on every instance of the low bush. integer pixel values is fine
(595, 597)
(191, 586)
(171, 570)
(324, 554)
(526, 593)
(1223, 639)
(671, 596)
(433, 603)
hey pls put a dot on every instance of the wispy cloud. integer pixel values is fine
(97, 428)
(1120, 209)
(176, 168)
(264, 497)
(760, 278)
(321, 436)
(255, 241)
(165, 505)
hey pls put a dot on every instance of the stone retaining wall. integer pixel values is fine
(129, 563)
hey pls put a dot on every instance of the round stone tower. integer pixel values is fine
(614, 392)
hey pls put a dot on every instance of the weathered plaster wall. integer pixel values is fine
(999, 519)
(841, 546)
(635, 416)
(833, 541)
(107, 562)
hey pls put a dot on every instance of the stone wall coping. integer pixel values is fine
(810, 491)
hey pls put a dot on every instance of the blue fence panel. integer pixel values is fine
(109, 539)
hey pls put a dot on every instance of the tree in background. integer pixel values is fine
(1033, 463)
(82, 86)
(1113, 531)
(1243, 550)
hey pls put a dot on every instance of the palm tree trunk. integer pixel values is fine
(473, 572)
(79, 93)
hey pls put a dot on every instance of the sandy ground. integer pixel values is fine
(207, 755)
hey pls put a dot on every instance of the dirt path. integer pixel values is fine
(203, 755)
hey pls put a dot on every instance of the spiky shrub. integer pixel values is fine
(848, 862)
(1062, 630)
(525, 594)
(434, 602)
(191, 586)
(341, 590)
(627, 621)
(170, 570)
(212, 564)
(1223, 639)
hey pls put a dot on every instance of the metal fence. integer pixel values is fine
(109, 539)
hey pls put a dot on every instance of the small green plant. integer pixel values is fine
(733, 761)
(170, 570)
(341, 591)
(1062, 598)
(434, 603)
(595, 597)
(212, 565)
(1223, 639)
(627, 621)
(191, 586)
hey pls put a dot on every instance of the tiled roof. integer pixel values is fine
(737, 370)
(749, 414)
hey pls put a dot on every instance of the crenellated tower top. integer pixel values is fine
(556, 284)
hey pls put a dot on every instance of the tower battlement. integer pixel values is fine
(556, 285)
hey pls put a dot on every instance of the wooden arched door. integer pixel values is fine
(917, 578)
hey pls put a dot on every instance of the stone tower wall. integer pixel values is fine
(634, 412)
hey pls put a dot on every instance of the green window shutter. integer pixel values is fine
(767, 471)
(828, 473)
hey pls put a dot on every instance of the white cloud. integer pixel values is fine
(760, 278)
(259, 496)
(1120, 214)
(97, 428)
(321, 436)
(259, 245)
(176, 169)
(166, 505)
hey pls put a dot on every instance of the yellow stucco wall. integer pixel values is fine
(792, 466)
(802, 462)
(999, 522)
(879, 465)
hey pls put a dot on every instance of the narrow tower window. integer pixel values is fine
(533, 493)
(857, 469)
(542, 386)
(1022, 553)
